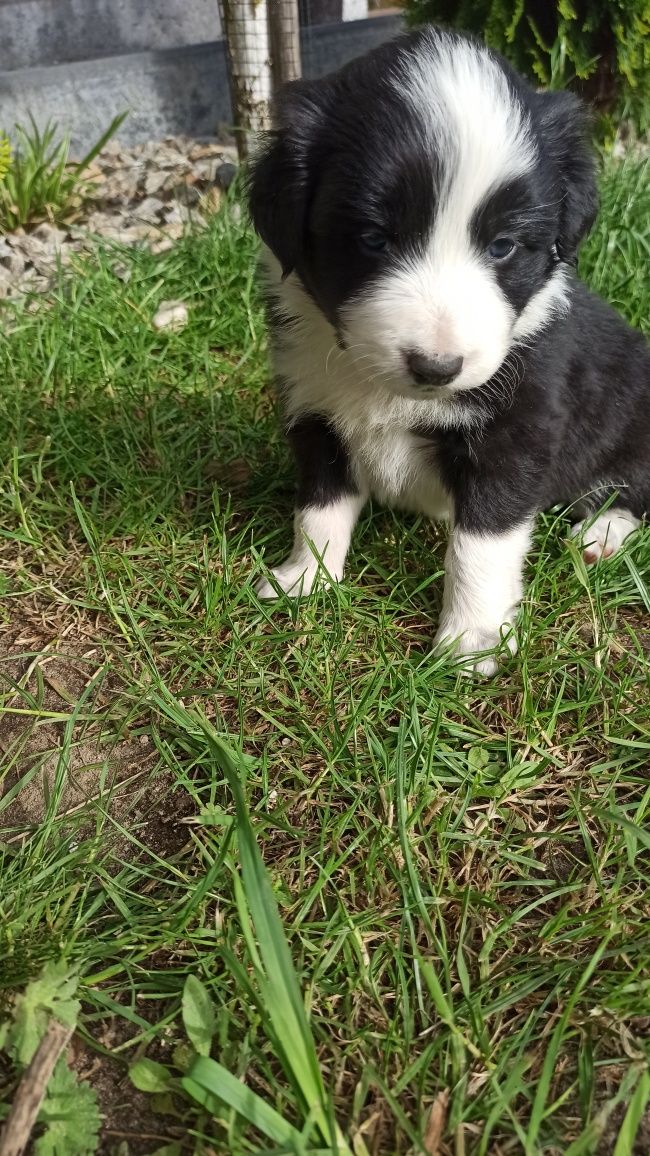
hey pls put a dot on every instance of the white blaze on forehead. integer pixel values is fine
(445, 298)
(478, 129)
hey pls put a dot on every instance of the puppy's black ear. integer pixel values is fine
(281, 175)
(566, 129)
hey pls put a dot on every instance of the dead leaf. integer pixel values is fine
(436, 1123)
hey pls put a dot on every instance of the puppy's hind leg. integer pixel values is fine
(604, 535)
(329, 502)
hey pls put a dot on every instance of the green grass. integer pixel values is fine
(461, 867)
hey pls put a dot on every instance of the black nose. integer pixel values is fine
(433, 370)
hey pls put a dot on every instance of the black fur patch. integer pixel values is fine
(324, 473)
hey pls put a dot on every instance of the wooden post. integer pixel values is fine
(245, 26)
(284, 37)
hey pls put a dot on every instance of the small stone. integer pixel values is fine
(112, 148)
(36, 284)
(175, 232)
(133, 235)
(6, 282)
(104, 224)
(235, 212)
(165, 157)
(122, 271)
(150, 209)
(183, 215)
(39, 254)
(162, 246)
(206, 169)
(155, 182)
(174, 216)
(121, 187)
(171, 315)
(93, 172)
(202, 150)
(50, 236)
(11, 259)
(225, 174)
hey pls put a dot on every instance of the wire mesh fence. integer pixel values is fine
(263, 48)
(284, 40)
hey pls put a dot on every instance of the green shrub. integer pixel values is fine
(600, 47)
(41, 183)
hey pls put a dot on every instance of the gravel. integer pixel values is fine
(146, 195)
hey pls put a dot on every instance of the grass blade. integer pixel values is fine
(115, 124)
(635, 1110)
(276, 976)
(212, 1077)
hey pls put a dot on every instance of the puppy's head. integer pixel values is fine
(428, 200)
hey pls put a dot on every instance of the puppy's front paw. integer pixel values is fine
(467, 645)
(292, 579)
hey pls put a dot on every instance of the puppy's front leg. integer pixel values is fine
(329, 502)
(483, 589)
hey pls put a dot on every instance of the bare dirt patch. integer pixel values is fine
(58, 740)
(128, 1116)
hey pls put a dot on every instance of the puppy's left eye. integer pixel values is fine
(373, 241)
(501, 248)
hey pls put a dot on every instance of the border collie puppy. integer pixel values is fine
(421, 211)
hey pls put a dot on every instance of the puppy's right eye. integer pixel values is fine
(373, 241)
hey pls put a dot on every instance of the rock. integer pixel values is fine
(7, 282)
(122, 271)
(163, 156)
(102, 223)
(43, 256)
(162, 246)
(93, 172)
(206, 169)
(171, 315)
(155, 182)
(150, 209)
(121, 187)
(225, 174)
(182, 215)
(135, 234)
(113, 228)
(173, 231)
(50, 236)
(39, 284)
(201, 150)
(11, 259)
(112, 148)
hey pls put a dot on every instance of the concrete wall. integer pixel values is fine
(168, 91)
(36, 33)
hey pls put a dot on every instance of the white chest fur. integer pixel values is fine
(375, 423)
(397, 466)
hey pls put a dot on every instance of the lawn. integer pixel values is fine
(461, 867)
